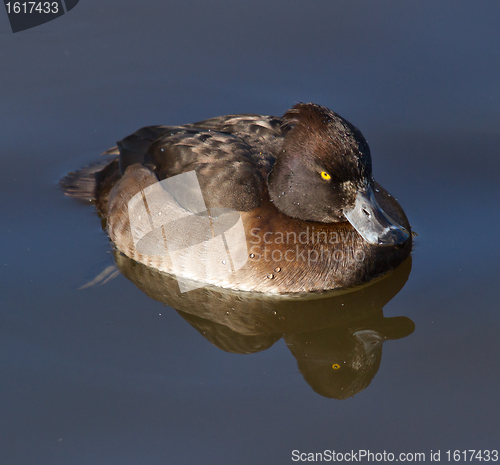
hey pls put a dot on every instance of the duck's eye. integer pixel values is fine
(325, 176)
(335, 366)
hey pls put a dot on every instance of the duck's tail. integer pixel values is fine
(82, 184)
(93, 183)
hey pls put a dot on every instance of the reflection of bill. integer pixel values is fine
(170, 217)
(25, 15)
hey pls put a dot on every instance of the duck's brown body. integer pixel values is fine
(233, 157)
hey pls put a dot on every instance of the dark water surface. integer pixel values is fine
(107, 375)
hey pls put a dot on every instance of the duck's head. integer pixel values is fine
(324, 174)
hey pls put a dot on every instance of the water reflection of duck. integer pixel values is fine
(336, 338)
(313, 217)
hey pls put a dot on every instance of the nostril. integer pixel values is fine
(366, 212)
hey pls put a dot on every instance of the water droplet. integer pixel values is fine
(277, 269)
(270, 276)
(377, 189)
(252, 255)
(282, 193)
(227, 313)
(223, 262)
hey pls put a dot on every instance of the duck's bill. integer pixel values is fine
(372, 223)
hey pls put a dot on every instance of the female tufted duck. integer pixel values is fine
(249, 202)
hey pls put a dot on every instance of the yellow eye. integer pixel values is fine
(325, 176)
(335, 366)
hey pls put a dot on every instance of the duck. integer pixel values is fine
(280, 205)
